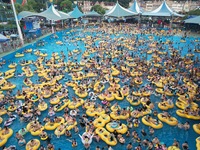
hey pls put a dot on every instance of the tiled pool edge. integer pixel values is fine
(11, 54)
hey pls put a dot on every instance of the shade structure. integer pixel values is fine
(3, 38)
(119, 11)
(76, 13)
(51, 13)
(135, 8)
(163, 10)
(92, 14)
(195, 20)
(25, 14)
(64, 15)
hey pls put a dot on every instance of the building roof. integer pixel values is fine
(119, 11)
(162, 10)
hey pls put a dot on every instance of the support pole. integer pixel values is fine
(171, 22)
(139, 20)
(17, 23)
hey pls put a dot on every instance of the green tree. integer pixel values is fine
(191, 12)
(124, 3)
(36, 5)
(58, 3)
(18, 8)
(28, 7)
(99, 9)
(194, 12)
(66, 5)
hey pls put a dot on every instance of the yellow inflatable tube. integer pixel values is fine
(57, 132)
(12, 65)
(54, 100)
(66, 102)
(81, 95)
(38, 132)
(6, 87)
(33, 146)
(117, 96)
(92, 112)
(133, 102)
(118, 117)
(170, 121)
(198, 143)
(69, 127)
(53, 126)
(106, 136)
(19, 55)
(3, 142)
(173, 148)
(74, 105)
(151, 123)
(196, 128)
(42, 107)
(181, 113)
(111, 127)
(3, 135)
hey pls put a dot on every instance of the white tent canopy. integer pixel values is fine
(25, 14)
(3, 38)
(195, 20)
(76, 13)
(51, 13)
(163, 10)
(135, 8)
(119, 11)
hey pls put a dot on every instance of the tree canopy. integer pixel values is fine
(31, 5)
(66, 6)
(191, 12)
(99, 9)
(194, 12)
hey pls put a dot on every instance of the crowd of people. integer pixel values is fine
(143, 60)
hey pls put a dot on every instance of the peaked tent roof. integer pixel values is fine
(135, 8)
(64, 15)
(25, 14)
(162, 10)
(119, 11)
(51, 13)
(3, 38)
(92, 13)
(195, 20)
(76, 13)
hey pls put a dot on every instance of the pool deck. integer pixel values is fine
(9, 52)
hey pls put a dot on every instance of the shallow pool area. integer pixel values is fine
(101, 53)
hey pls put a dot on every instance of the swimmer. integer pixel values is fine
(185, 146)
(186, 126)
(22, 142)
(73, 141)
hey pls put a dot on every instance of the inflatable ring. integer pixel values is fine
(35, 146)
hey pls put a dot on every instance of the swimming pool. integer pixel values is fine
(166, 134)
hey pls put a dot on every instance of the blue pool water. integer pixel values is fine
(167, 134)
